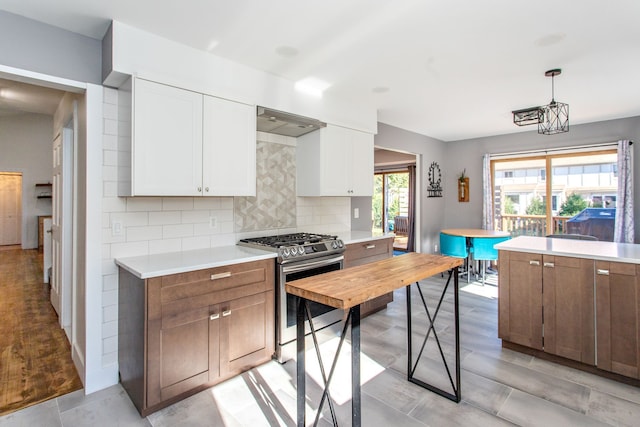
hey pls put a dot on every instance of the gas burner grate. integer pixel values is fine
(289, 239)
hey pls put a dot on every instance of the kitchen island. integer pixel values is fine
(573, 302)
(348, 289)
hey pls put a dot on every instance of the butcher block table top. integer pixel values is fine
(350, 287)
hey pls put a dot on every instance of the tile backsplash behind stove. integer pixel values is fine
(276, 205)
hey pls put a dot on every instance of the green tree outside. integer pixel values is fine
(509, 209)
(537, 207)
(573, 205)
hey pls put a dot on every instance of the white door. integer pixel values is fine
(61, 227)
(55, 224)
(10, 208)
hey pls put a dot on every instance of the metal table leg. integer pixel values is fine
(455, 395)
(300, 368)
(353, 319)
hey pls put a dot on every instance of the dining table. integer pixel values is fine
(471, 233)
(347, 289)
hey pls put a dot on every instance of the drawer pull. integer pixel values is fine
(370, 246)
(549, 264)
(220, 275)
(226, 313)
(602, 272)
(534, 262)
(214, 316)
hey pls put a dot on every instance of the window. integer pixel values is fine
(576, 181)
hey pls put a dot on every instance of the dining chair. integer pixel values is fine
(455, 246)
(484, 251)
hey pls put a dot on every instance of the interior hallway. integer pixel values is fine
(35, 355)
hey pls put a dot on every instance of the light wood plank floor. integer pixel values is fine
(35, 356)
(500, 387)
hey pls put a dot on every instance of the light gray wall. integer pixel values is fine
(26, 144)
(34, 46)
(467, 154)
(432, 209)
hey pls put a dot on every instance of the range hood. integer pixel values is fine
(287, 124)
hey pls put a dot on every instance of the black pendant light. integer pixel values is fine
(551, 119)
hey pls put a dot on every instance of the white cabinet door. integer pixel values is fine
(335, 173)
(167, 141)
(335, 161)
(361, 165)
(229, 148)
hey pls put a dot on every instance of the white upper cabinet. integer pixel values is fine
(229, 148)
(167, 141)
(335, 161)
(185, 143)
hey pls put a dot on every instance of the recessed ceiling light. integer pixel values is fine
(287, 51)
(380, 89)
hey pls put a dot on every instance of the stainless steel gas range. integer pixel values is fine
(300, 255)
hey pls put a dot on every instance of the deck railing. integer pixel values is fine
(531, 225)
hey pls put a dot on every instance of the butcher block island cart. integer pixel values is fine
(350, 288)
(191, 319)
(576, 303)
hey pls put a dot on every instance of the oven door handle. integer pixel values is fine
(308, 265)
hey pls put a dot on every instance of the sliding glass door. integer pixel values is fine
(390, 201)
(556, 194)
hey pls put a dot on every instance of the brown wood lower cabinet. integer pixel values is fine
(366, 252)
(520, 298)
(618, 317)
(201, 327)
(567, 289)
(552, 303)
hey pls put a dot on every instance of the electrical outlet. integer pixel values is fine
(435, 248)
(116, 228)
(213, 222)
(356, 213)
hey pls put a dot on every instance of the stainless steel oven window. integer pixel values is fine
(286, 331)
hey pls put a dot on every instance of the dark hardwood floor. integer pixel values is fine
(35, 355)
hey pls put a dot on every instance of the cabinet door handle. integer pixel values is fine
(549, 264)
(602, 272)
(534, 262)
(370, 246)
(226, 313)
(206, 189)
(214, 316)
(199, 189)
(220, 275)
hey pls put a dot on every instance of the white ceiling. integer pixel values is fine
(452, 69)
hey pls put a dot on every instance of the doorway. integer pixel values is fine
(393, 206)
(10, 208)
(31, 127)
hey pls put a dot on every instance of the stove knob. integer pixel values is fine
(334, 244)
(300, 250)
(340, 243)
(286, 252)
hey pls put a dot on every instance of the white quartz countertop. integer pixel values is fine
(351, 236)
(148, 266)
(603, 251)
